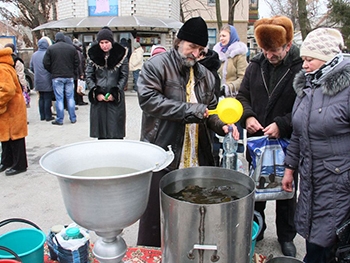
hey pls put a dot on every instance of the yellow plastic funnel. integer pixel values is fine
(229, 110)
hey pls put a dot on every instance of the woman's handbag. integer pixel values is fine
(26, 98)
(267, 167)
(342, 252)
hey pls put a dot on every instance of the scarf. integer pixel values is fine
(233, 38)
(189, 155)
(317, 77)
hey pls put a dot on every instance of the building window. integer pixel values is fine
(211, 37)
(103, 7)
(211, 2)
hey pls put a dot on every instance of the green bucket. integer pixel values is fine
(255, 232)
(27, 243)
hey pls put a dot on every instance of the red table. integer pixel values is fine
(133, 254)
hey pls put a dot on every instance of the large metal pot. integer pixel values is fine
(206, 233)
(106, 203)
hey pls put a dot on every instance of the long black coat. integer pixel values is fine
(107, 119)
(269, 106)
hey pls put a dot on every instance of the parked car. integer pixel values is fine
(346, 55)
(29, 78)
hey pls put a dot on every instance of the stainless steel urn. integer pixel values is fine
(206, 233)
(105, 186)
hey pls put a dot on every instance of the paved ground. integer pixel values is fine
(35, 195)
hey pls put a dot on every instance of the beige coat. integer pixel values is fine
(136, 59)
(13, 113)
(233, 65)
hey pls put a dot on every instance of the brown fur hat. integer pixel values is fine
(273, 32)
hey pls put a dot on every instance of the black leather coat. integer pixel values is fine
(162, 97)
(107, 119)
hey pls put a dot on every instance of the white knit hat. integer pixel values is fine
(322, 43)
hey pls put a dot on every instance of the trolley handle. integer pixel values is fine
(20, 220)
(11, 252)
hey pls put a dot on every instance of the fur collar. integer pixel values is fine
(116, 56)
(211, 61)
(5, 56)
(336, 81)
(236, 48)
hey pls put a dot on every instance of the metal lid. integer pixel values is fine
(56, 228)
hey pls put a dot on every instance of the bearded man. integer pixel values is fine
(175, 93)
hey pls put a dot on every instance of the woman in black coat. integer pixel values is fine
(106, 76)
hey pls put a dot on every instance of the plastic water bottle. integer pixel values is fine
(72, 233)
(72, 238)
(230, 145)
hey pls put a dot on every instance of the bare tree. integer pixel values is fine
(188, 9)
(218, 13)
(28, 13)
(304, 22)
(303, 13)
(231, 12)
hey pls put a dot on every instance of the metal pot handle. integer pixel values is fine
(20, 220)
(11, 252)
(167, 161)
(214, 257)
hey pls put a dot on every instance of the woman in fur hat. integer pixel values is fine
(13, 118)
(106, 76)
(320, 144)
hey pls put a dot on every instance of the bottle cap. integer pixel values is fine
(56, 228)
(72, 231)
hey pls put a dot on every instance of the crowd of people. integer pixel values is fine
(298, 94)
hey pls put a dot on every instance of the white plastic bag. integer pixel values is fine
(267, 167)
(72, 244)
(81, 87)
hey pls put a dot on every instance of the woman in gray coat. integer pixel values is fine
(106, 76)
(320, 143)
(42, 80)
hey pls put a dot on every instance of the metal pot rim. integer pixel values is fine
(156, 166)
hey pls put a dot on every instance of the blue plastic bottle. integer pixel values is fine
(230, 145)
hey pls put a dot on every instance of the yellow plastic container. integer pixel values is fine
(229, 110)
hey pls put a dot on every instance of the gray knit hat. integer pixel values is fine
(322, 43)
(105, 34)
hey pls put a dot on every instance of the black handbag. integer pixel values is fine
(342, 253)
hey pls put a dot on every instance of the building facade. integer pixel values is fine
(130, 19)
